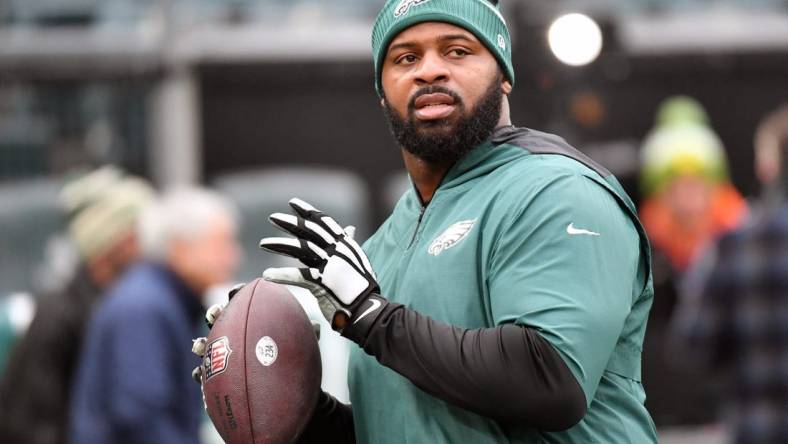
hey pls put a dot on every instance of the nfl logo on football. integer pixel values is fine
(216, 356)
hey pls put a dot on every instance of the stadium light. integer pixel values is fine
(575, 39)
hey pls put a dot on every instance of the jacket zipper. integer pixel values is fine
(418, 224)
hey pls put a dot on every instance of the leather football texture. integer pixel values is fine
(261, 371)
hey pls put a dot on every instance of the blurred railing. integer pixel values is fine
(183, 12)
(50, 129)
(191, 12)
(651, 7)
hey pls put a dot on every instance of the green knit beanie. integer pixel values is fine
(479, 17)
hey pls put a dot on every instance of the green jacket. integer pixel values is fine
(527, 230)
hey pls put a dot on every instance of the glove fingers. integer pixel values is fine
(360, 254)
(350, 231)
(329, 308)
(308, 278)
(302, 229)
(197, 374)
(346, 235)
(303, 208)
(233, 291)
(344, 251)
(343, 280)
(288, 223)
(352, 252)
(213, 313)
(310, 213)
(300, 277)
(307, 252)
(316, 328)
(198, 346)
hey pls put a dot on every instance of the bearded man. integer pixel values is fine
(505, 298)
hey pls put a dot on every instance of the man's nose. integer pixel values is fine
(432, 69)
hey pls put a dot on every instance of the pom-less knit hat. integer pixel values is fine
(479, 17)
(102, 207)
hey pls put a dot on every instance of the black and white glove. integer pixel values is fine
(337, 271)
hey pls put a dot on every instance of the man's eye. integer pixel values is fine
(459, 52)
(406, 59)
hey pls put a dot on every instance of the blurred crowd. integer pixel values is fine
(105, 357)
(716, 349)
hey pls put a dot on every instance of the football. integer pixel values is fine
(261, 371)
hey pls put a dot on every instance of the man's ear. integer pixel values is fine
(506, 87)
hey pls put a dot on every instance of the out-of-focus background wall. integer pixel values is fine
(268, 99)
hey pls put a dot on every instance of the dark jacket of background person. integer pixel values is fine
(34, 392)
(134, 381)
(741, 324)
(679, 395)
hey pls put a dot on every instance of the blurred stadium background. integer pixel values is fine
(266, 98)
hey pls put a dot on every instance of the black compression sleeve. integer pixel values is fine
(332, 422)
(508, 373)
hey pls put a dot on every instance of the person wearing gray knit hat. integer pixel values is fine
(505, 298)
(101, 209)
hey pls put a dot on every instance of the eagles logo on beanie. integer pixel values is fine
(480, 17)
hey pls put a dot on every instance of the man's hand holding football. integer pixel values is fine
(337, 272)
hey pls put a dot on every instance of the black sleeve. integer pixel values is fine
(332, 422)
(508, 373)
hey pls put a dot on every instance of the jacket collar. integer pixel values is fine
(188, 299)
(482, 159)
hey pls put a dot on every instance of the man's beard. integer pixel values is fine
(445, 141)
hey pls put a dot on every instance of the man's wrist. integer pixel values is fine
(363, 317)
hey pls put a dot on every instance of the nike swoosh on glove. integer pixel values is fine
(337, 272)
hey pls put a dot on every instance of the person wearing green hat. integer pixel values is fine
(688, 197)
(688, 201)
(505, 298)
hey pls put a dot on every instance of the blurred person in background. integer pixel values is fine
(737, 320)
(102, 208)
(134, 380)
(688, 202)
(688, 197)
(769, 158)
